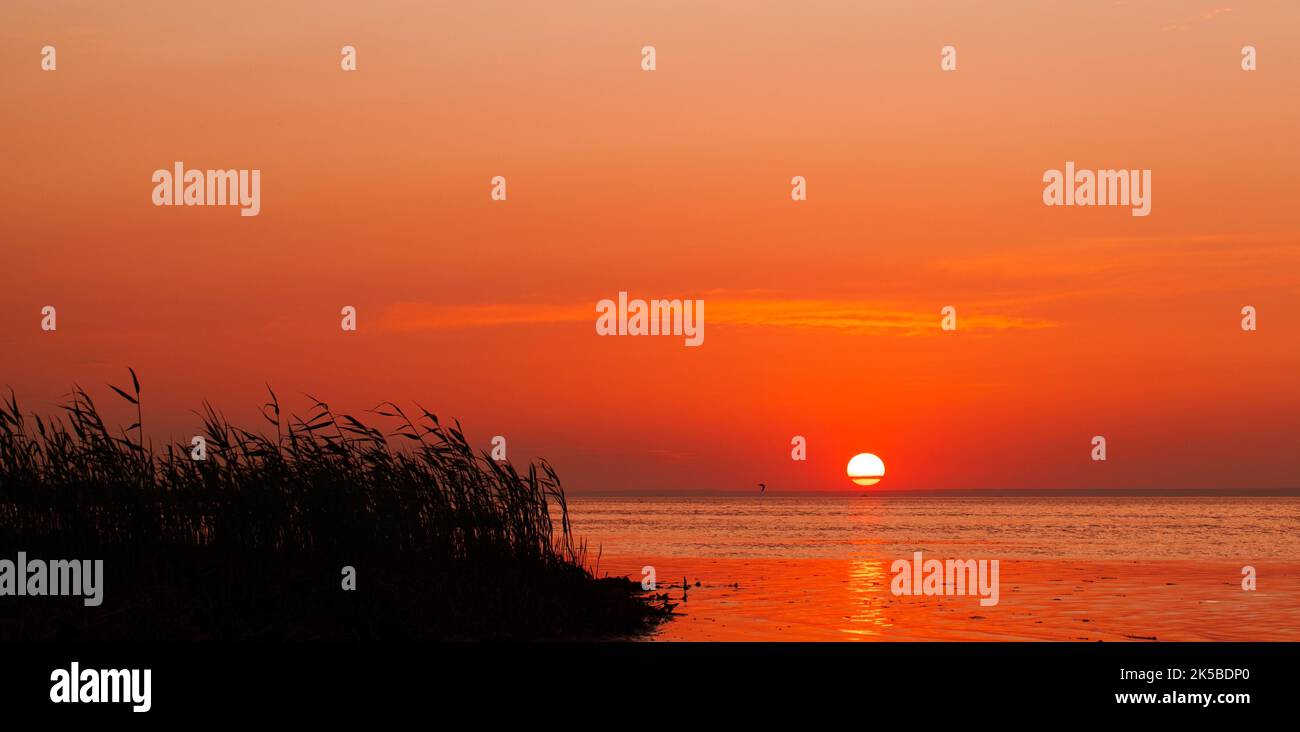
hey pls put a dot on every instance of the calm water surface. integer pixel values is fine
(1122, 528)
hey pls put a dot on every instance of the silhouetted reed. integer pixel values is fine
(249, 542)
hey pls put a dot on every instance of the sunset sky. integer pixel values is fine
(822, 317)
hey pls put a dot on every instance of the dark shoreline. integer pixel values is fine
(197, 594)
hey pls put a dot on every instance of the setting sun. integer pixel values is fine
(866, 469)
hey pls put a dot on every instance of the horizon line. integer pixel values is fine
(954, 493)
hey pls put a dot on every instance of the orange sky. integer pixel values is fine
(822, 317)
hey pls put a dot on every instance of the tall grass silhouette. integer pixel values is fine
(250, 542)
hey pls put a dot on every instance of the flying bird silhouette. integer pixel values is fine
(762, 487)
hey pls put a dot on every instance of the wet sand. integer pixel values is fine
(811, 599)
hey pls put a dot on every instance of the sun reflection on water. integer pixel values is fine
(868, 582)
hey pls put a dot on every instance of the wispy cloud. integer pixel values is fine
(734, 309)
(1202, 17)
(1097, 266)
(857, 316)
